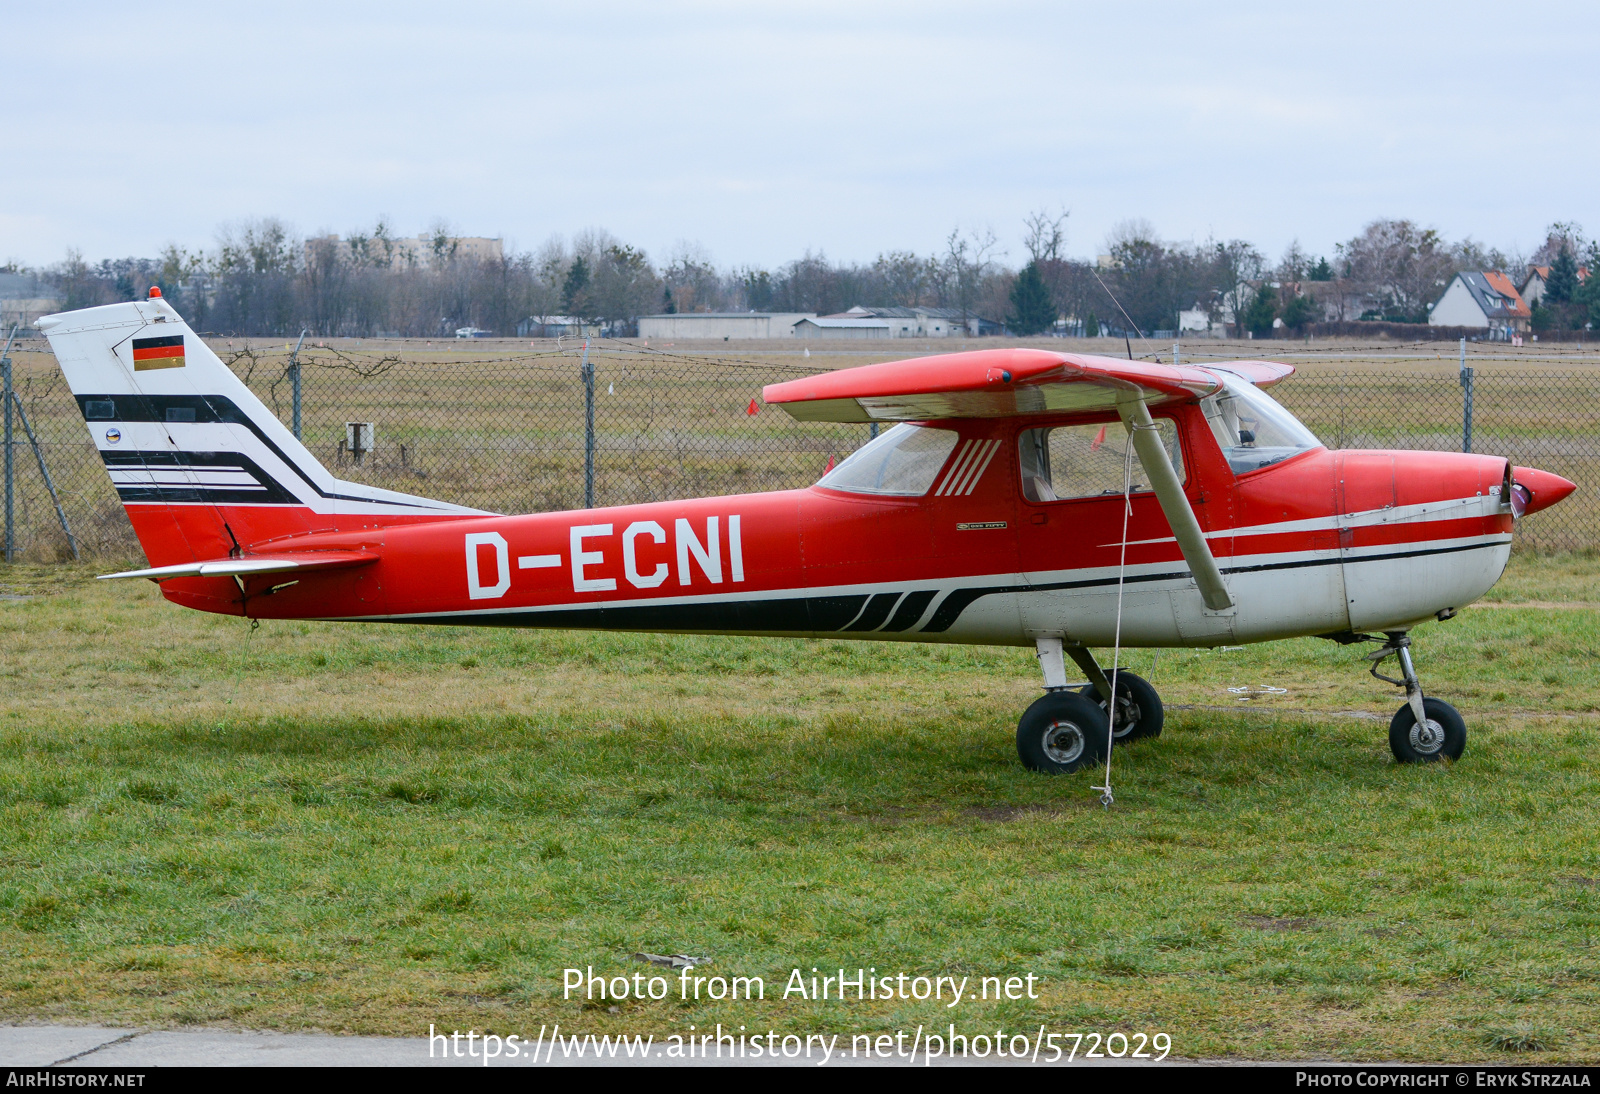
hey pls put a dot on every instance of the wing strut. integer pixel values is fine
(1169, 492)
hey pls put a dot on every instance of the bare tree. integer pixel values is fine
(1563, 235)
(1293, 265)
(690, 280)
(966, 263)
(1403, 265)
(1044, 235)
(904, 278)
(1234, 265)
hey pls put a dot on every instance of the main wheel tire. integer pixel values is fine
(1444, 736)
(1061, 732)
(1139, 710)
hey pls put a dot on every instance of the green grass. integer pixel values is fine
(372, 829)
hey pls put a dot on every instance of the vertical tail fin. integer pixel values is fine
(203, 468)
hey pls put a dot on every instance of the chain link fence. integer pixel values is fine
(508, 432)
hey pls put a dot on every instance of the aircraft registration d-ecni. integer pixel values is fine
(1024, 498)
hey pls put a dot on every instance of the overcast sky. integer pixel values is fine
(762, 130)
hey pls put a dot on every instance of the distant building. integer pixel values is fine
(721, 325)
(406, 251)
(1481, 298)
(560, 326)
(24, 298)
(910, 322)
(830, 327)
(1538, 276)
(1198, 321)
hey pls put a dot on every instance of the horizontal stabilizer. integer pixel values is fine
(242, 567)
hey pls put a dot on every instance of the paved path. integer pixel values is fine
(102, 1046)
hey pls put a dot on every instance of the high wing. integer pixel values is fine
(253, 564)
(1259, 373)
(1012, 382)
(1000, 383)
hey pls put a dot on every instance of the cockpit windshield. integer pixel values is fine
(903, 461)
(1253, 430)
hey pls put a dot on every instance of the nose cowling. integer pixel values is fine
(1544, 489)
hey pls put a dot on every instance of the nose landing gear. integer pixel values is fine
(1424, 730)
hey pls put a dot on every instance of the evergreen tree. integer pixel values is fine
(574, 294)
(1031, 308)
(1091, 328)
(1262, 311)
(1320, 272)
(1298, 312)
(1562, 306)
(1562, 285)
(668, 307)
(1588, 295)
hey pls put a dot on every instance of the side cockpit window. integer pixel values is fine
(903, 461)
(1085, 461)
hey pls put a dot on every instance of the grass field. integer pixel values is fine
(370, 829)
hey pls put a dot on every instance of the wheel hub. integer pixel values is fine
(1127, 716)
(1063, 742)
(1428, 737)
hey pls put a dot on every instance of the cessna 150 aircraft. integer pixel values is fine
(1003, 509)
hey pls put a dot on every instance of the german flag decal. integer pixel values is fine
(158, 352)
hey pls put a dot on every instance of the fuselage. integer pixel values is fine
(1321, 542)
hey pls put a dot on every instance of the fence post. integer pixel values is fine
(5, 383)
(294, 380)
(588, 428)
(44, 472)
(1466, 400)
(1174, 355)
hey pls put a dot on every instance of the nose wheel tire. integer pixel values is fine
(1443, 736)
(1139, 711)
(1061, 732)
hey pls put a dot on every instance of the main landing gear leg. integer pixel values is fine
(1065, 729)
(1424, 730)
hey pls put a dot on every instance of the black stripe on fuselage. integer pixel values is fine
(798, 615)
(911, 609)
(271, 492)
(207, 410)
(876, 611)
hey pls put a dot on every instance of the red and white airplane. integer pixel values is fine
(1004, 509)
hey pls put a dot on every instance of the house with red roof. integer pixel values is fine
(1538, 276)
(1482, 298)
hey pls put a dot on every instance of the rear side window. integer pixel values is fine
(904, 461)
(1086, 461)
(99, 409)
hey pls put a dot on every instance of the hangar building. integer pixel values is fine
(721, 324)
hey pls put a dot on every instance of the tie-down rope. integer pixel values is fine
(1106, 797)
